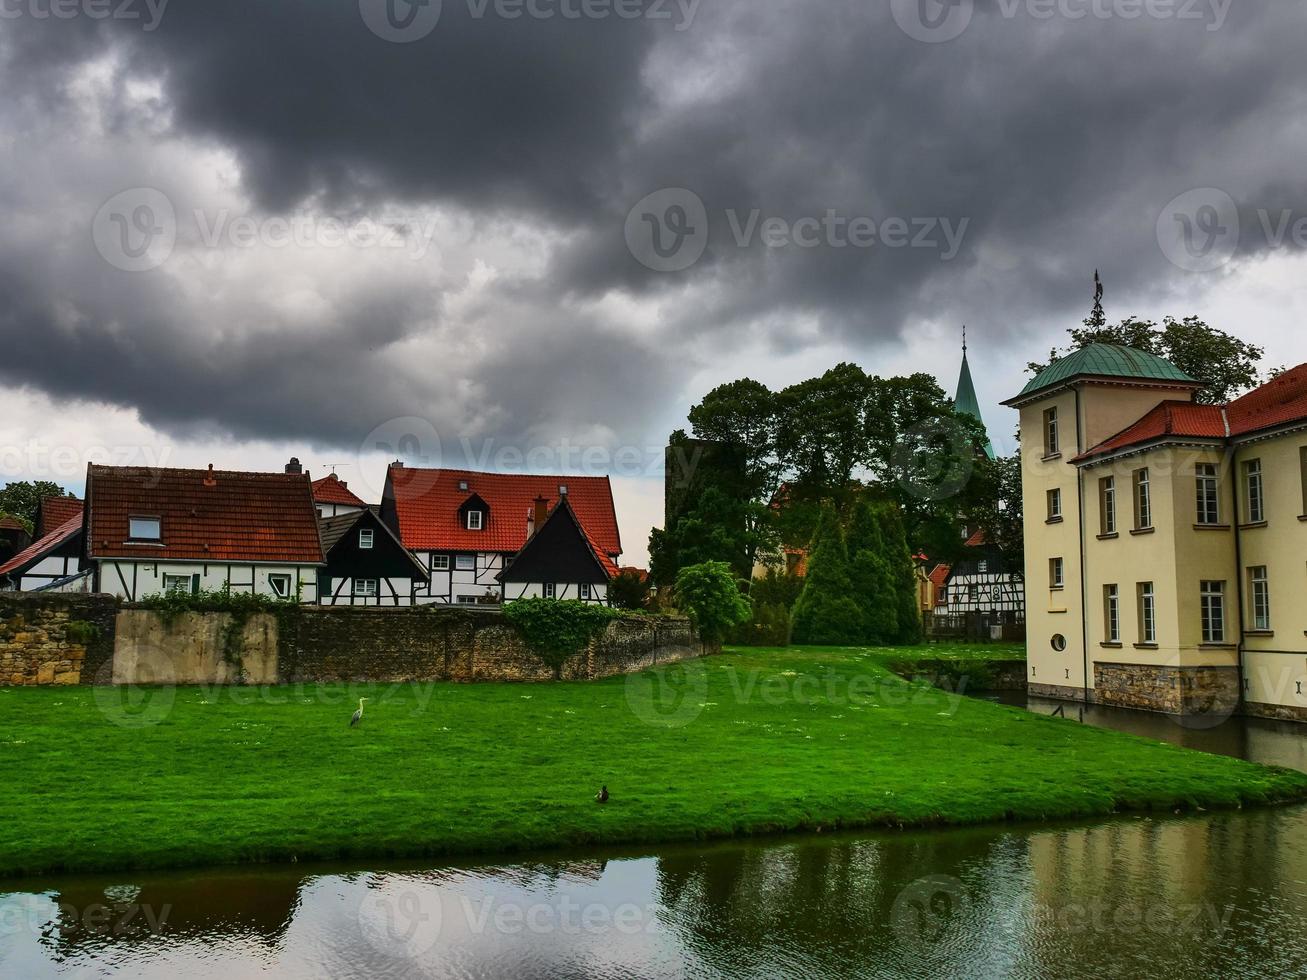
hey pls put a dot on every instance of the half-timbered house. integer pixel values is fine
(367, 565)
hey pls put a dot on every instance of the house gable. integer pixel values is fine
(561, 551)
(346, 558)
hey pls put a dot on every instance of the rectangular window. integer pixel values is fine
(467, 600)
(551, 590)
(1056, 573)
(1259, 595)
(1143, 501)
(179, 583)
(982, 567)
(1254, 488)
(1302, 467)
(440, 563)
(144, 528)
(1055, 505)
(365, 588)
(1107, 505)
(1147, 613)
(280, 586)
(584, 591)
(1112, 613)
(466, 563)
(1212, 606)
(474, 520)
(973, 593)
(1209, 510)
(365, 538)
(1051, 442)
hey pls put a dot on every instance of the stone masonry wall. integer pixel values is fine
(36, 647)
(1207, 691)
(344, 643)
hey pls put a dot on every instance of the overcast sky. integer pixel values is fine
(532, 235)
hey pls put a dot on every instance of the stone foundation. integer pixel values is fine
(1278, 712)
(1056, 691)
(54, 639)
(1205, 691)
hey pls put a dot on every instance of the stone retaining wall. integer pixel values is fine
(1207, 691)
(55, 638)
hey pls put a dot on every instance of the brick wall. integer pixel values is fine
(1204, 691)
(35, 645)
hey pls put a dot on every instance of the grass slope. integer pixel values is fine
(779, 740)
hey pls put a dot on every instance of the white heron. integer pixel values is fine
(358, 715)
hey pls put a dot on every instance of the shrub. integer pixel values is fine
(825, 612)
(81, 632)
(629, 590)
(557, 630)
(769, 627)
(872, 580)
(709, 595)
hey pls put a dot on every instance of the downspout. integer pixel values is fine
(1236, 519)
(1084, 594)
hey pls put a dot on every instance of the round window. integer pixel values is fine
(1059, 642)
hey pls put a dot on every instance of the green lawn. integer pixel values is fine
(752, 741)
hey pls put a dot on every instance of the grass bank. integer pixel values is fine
(753, 741)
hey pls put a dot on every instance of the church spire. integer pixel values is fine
(966, 401)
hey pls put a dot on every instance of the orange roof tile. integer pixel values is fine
(427, 502)
(43, 545)
(55, 512)
(333, 490)
(213, 516)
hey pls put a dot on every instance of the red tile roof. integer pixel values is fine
(43, 545)
(212, 516)
(976, 540)
(1278, 402)
(1282, 401)
(11, 523)
(606, 563)
(333, 490)
(427, 506)
(55, 512)
(939, 575)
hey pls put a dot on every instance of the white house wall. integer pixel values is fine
(390, 592)
(449, 586)
(134, 580)
(534, 590)
(1011, 594)
(47, 570)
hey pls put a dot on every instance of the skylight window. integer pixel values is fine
(144, 528)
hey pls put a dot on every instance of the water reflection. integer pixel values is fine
(1213, 894)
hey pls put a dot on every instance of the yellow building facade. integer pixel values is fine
(1166, 542)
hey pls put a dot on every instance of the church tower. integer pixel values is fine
(965, 401)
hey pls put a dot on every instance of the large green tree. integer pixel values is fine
(872, 577)
(21, 498)
(1227, 365)
(903, 575)
(825, 612)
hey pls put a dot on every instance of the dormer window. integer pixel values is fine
(144, 528)
(462, 485)
(365, 538)
(562, 490)
(474, 518)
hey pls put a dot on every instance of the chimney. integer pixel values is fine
(541, 513)
(294, 466)
(209, 481)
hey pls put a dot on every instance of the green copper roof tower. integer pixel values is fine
(965, 401)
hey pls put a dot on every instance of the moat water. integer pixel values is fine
(1220, 895)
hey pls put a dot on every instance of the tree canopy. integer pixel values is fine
(21, 498)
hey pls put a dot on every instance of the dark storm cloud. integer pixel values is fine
(1049, 147)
